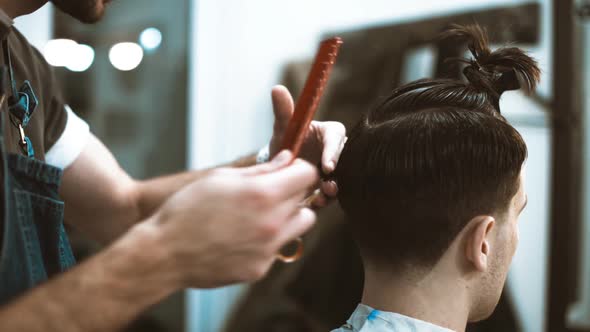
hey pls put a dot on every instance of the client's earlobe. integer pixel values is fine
(478, 245)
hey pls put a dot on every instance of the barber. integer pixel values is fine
(197, 229)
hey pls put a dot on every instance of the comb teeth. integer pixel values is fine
(309, 99)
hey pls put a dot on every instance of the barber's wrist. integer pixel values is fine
(181, 268)
(149, 261)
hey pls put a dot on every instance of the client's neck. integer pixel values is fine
(435, 297)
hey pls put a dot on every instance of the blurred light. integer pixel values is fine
(126, 56)
(81, 59)
(59, 52)
(150, 39)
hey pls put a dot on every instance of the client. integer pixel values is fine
(431, 181)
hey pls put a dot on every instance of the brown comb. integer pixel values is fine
(308, 101)
(305, 109)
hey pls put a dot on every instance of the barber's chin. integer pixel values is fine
(91, 19)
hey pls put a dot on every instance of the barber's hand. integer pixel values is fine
(229, 226)
(324, 141)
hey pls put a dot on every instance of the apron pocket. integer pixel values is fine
(41, 219)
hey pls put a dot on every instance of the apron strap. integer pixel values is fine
(21, 104)
(8, 64)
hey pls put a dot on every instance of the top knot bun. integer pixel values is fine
(505, 69)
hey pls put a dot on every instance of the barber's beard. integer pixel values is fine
(86, 11)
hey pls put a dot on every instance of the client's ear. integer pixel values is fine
(478, 248)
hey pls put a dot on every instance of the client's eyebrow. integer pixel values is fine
(526, 200)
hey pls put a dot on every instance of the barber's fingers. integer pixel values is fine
(297, 225)
(281, 160)
(333, 139)
(323, 196)
(290, 181)
(329, 188)
(283, 106)
(319, 201)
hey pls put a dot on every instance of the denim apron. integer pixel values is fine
(34, 244)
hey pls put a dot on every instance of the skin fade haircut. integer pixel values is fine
(434, 154)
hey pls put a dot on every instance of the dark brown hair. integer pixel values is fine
(434, 154)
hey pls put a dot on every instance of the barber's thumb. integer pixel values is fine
(283, 106)
(282, 159)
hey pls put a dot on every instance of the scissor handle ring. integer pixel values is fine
(296, 256)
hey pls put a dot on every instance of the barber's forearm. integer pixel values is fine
(102, 294)
(103, 201)
(244, 161)
(152, 193)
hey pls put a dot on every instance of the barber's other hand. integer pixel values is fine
(324, 141)
(229, 226)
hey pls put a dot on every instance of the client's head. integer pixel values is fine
(431, 179)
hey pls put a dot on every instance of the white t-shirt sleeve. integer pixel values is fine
(71, 143)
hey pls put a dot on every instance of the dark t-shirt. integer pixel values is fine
(49, 119)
